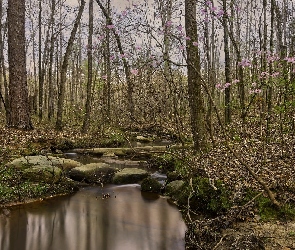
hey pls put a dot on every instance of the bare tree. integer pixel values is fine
(64, 69)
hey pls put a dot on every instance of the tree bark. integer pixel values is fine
(227, 111)
(90, 71)
(194, 79)
(19, 115)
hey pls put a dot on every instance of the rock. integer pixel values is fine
(129, 175)
(151, 185)
(141, 138)
(173, 176)
(174, 188)
(47, 174)
(43, 161)
(41, 168)
(93, 173)
(161, 178)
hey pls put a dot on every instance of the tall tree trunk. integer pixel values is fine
(194, 78)
(19, 115)
(40, 69)
(50, 67)
(227, 110)
(64, 69)
(90, 71)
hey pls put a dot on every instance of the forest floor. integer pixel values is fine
(275, 163)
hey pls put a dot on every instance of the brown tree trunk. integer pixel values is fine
(227, 110)
(19, 115)
(89, 80)
(194, 78)
(64, 69)
(50, 68)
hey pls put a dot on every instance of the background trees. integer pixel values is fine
(137, 71)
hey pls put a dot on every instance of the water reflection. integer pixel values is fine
(85, 221)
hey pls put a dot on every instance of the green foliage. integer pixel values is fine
(13, 188)
(206, 197)
(267, 211)
(166, 163)
(113, 138)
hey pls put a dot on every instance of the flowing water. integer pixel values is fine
(94, 218)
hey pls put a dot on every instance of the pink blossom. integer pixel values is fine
(263, 74)
(181, 47)
(203, 11)
(257, 91)
(104, 77)
(169, 23)
(219, 86)
(134, 71)
(195, 43)
(245, 63)
(179, 27)
(290, 59)
(235, 81)
(220, 13)
(213, 8)
(110, 26)
(275, 74)
(226, 85)
(187, 38)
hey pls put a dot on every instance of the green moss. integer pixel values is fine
(205, 197)
(150, 185)
(165, 163)
(267, 211)
(113, 139)
(13, 187)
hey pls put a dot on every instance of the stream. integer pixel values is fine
(113, 217)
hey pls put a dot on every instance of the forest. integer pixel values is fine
(215, 78)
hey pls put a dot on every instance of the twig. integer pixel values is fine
(219, 242)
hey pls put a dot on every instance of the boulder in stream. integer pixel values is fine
(174, 189)
(93, 173)
(46, 174)
(150, 184)
(129, 175)
(43, 161)
(41, 168)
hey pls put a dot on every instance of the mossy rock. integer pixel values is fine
(93, 173)
(46, 174)
(173, 176)
(150, 185)
(143, 139)
(173, 189)
(43, 161)
(129, 175)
